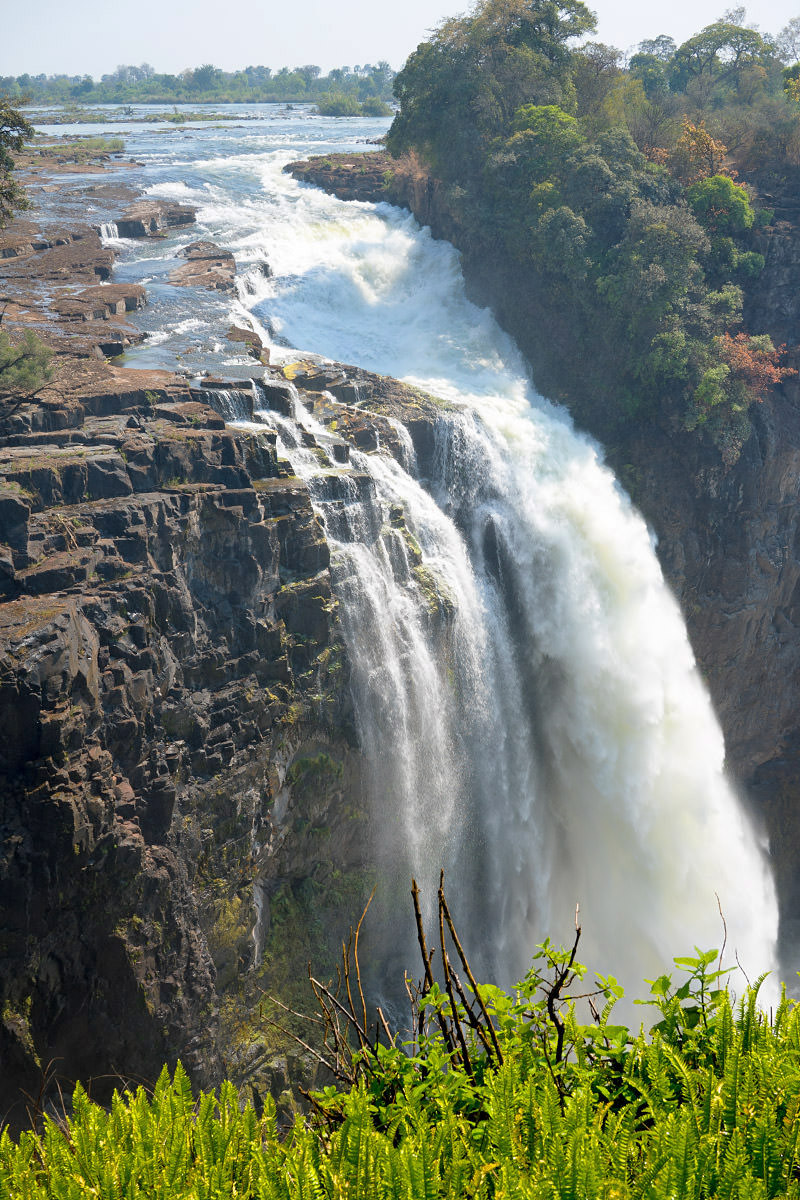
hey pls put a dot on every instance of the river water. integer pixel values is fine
(527, 701)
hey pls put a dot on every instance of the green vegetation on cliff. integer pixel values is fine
(610, 200)
(520, 1099)
(14, 132)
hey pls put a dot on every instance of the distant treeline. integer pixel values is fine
(142, 85)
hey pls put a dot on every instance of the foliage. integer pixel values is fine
(337, 104)
(720, 52)
(462, 88)
(736, 373)
(720, 205)
(143, 85)
(704, 1105)
(343, 104)
(14, 132)
(24, 367)
(82, 149)
(697, 154)
(607, 197)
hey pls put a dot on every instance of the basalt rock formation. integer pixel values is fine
(177, 761)
(208, 266)
(179, 783)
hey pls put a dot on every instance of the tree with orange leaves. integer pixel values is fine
(740, 370)
(698, 155)
(754, 362)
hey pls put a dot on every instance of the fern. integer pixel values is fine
(706, 1106)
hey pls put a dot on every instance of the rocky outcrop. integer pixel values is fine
(100, 303)
(152, 218)
(252, 340)
(169, 666)
(179, 788)
(51, 279)
(209, 266)
(349, 176)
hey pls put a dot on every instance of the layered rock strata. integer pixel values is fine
(208, 266)
(180, 796)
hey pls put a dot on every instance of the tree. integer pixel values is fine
(720, 52)
(204, 78)
(595, 69)
(720, 205)
(14, 132)
(310, 72)
(788, 41)
(24, 370)
(460, 91)
(662, 47)
(697, 154)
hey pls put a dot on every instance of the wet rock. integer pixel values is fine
(255, 347)
(209, 266)
(101, 303)
(152, 218)
(83, 258)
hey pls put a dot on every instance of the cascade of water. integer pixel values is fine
(109, 231)
(234, 404)
(527, 701)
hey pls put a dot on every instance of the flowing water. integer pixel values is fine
(526, 698)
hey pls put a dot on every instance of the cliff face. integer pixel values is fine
(169, 654)
(728, 537)
(180, 788)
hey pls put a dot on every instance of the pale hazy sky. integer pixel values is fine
(87, 37)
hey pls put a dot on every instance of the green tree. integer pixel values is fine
(24, 370)
(461, 90)
(720, 205)
(719, 52)
(205, 78)
(14, 132)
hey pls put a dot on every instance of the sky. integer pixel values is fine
(84, 37)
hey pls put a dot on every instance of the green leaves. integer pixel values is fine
(704, 1106)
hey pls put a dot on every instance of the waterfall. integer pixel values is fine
(232, 403)
(528, 707)
(109, 232)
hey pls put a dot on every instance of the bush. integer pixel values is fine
(338, 104)
(536, 1103)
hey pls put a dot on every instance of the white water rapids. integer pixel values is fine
(527, 701)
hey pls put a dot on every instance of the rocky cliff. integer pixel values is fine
(728, 537)
(180, 796)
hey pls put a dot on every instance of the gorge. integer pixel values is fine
(234, 654)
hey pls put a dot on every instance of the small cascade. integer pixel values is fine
(109, 232)
(232, 403)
